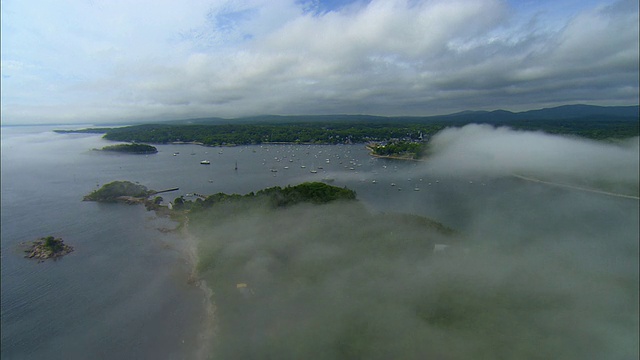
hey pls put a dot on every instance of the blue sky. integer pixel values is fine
(125, 60)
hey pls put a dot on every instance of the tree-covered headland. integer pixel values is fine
(131, 148)
(113, 191)
(399, 149)
(247, 134)
(309, 192)
(393, 135)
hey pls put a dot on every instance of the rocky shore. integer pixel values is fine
(409, 156)
(47, 248)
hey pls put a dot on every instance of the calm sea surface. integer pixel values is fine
(123, 292)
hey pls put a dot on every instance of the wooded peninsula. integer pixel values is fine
(131, 148)
(390, 135)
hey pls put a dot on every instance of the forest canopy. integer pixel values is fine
(310, 192)
(594, 122)
(131, 148)
(112, 191)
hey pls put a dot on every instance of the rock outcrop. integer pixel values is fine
(47, 248)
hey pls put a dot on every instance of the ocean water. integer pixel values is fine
(123, 293)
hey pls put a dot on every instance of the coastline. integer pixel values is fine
(574, 187)
(207, 328)
(372, 154)
(204, 337)
(394, 157)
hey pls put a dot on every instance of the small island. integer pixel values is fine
(131, 148)
(129, 193)
(403, 150)
(119, 191)
(47, 248)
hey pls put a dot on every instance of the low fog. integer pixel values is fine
(483, 149)
(540, 271)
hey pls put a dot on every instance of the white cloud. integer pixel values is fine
(234, 58)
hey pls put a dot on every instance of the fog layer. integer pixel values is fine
(541, 271)
(483, 149)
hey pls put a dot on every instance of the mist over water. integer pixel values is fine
(483, 149)
(122, 293)
(535, 271)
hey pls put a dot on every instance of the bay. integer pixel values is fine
(123, 292)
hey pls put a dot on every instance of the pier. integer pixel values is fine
(164, 191)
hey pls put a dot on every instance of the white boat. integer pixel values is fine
(205, 162)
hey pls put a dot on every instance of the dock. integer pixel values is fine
(164, 191)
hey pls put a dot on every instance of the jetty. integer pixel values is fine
(164, 191)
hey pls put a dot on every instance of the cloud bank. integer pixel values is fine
(121, 61)
(538, 271)
(483, 149)
(333, 283)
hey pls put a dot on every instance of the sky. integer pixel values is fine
(123, 61)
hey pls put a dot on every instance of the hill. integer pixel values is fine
(595, 122)
(564, 112)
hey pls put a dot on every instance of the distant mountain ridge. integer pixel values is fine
(573, 111)
(564, 112)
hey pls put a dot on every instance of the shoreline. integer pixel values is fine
(392, 157)
(371, 153)
(205, 337)
(206, 329)
(580, 188)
